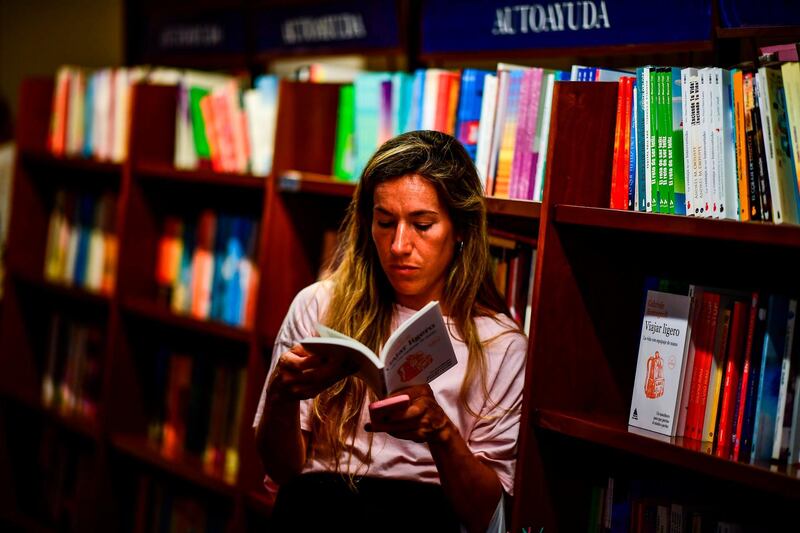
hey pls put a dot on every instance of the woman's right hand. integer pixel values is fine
(300, 375)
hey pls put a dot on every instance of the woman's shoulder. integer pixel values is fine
(312, 301)
(500, 330)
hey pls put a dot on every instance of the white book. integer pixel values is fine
(686, 102)
(417, 352)
(709, 185)
(654, 403)
(430, 94)
(716, 131)
(648, 141)
(781, 440)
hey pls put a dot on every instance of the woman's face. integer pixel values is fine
(414, 235)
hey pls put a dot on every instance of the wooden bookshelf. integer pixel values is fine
(159, 314)
(183, 466)
(591, 267)
(167, 172)
(613, 432)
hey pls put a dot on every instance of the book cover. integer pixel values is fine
(654, 405)
(417, 352)
(780, 445)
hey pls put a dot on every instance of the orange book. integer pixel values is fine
(177, 404)
(56, 140)
(207, 110)
(452, 104)
(741, 151)
(203, 265)
(168, 258)
(442, 101)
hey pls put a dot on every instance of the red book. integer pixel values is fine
(730, 384)
(704, 353)
(616, 186)
(442, 101)
(741, 397)
(625, 141)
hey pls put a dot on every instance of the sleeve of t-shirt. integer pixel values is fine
(300, 322)
(493, 440)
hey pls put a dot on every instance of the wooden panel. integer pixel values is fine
(153, 123)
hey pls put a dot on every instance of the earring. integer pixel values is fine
(460, 246)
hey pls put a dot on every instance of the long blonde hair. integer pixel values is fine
(362, 301)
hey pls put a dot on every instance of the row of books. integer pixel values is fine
(502, 119)
(197, 408)
(72, 375)
(206, 266)
(709, 142)
(161, 508)
(721, 367)
(223, 127)
(218, 125)
(636, 507)
(513, 265)
(82, 244)
(64, 471)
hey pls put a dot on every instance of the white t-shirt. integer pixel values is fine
(492, 438)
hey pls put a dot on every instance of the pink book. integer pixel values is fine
(531, 145)
(522, 143)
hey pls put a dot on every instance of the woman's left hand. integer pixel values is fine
(422, 421)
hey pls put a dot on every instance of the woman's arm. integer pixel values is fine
(280, 441)
(472, 487)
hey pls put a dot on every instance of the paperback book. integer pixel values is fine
(417, 352)
(655, 401)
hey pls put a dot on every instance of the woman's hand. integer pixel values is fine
(422, 421)
(300, 375)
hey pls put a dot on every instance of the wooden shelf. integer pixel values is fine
(160, 171)
(75, 423)
(309, 182)
(62, 290)
(157, 313)
(747, 32)
(514, 208)
(582, 51)
(760, 233)
(684, 453)
(184, 466)
(71, 163)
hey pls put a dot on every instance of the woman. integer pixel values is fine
(414, 232)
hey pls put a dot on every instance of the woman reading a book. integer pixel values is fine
(416, 231)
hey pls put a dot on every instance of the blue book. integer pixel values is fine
(469, 109)
(640, 152)
(88, 113)
(368, 91)
(217, 280)
(417, 97)
(85, 217)
(234, 254)
(769, 380)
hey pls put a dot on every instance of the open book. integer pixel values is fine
(416, 353)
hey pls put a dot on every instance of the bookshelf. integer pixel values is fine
(591, 267)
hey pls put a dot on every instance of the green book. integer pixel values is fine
(344, 151)
(198, 124)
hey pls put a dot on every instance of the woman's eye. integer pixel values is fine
(385, 224)
(423, 227)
